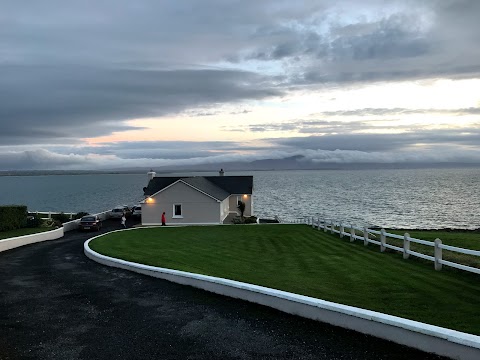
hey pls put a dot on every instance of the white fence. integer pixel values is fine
(48, 214)
(336, 227)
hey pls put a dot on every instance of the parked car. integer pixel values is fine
(137, 210)
(90, 222)
(118, 211)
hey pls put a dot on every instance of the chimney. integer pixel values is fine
(151, 174)
(221, 172)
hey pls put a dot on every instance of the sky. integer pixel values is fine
(104, 84)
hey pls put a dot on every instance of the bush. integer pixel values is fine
(245, 220)
(80, 215)
(12, 217)
(33, 221)
(50, 223)
(251, 220)
(61, 218)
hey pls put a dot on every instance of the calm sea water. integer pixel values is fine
(391, 198)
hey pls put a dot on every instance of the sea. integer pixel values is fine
(406, 198)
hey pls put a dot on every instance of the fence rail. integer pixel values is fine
(48, 214)
(336, 227)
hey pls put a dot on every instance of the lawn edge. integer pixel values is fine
(426, 337)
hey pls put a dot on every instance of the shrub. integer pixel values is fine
(251, 220)
(62, 218)
(80, 215)
(33, 221)
(50, 223)
(246, 220)
(12, 217)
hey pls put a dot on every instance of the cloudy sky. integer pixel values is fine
(117, 83)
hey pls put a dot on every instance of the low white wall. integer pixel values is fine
(71, 225)
(429, 338)
(104, 215)
(10, 243)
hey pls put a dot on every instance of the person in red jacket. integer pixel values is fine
(163, 219)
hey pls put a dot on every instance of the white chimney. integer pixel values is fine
(151, 174)
(221, 172)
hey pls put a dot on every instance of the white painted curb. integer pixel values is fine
(429, 338)
(11, 243)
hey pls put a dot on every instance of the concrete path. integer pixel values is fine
(57, 304)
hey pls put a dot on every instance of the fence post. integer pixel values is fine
(313, 222)
(365, 236)
(352, 233)
(438, 254)
(382, 240)
(342, 229)
(332, 227)
(406, 245)
(318, 223)
(49, 214)
(324, 225)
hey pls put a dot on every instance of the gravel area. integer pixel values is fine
(55, 303)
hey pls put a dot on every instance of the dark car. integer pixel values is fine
(90, 222)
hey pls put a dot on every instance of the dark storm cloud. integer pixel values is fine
(387, 39)
(402, 45)
(73, 101)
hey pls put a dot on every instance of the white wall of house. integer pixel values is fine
(233, 203)
(197, 208)
(224, 208)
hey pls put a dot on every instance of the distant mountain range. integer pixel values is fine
(290, 163)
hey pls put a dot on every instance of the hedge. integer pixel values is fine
(12, 217)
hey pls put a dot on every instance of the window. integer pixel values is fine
(177, 211)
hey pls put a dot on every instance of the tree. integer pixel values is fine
(241, 207)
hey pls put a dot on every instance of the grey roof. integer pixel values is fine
(233, 184)
(207, 187)
(219, 187)
(159, 183)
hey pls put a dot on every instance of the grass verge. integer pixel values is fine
(299, 259)
(21, 232)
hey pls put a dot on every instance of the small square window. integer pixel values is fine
(177, 210)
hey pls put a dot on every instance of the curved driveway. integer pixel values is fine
(55, 303)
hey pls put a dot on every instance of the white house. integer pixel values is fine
(195, 200)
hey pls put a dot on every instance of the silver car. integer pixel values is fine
(137, 211)
(118, 211)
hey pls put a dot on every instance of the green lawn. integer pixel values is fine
(302, 260)
(20, 232)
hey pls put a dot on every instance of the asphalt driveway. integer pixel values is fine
(55, 303)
